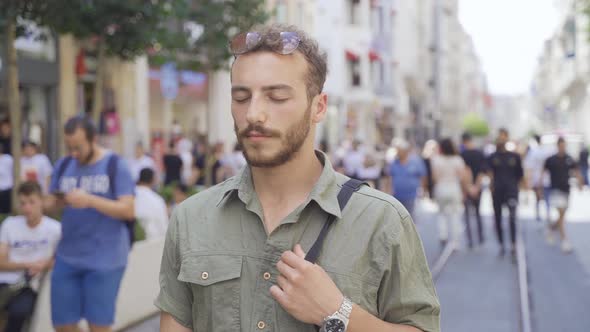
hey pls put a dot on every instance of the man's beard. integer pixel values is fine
(291, 142)
(88, 159)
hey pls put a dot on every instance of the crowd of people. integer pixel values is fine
(454, 177)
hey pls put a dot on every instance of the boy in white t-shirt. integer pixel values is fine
(27, 245)
(35, 166)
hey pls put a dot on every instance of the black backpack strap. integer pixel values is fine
(344, 195)
(62, 168)
(112, 173)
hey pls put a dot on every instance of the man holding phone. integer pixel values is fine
(95, 188)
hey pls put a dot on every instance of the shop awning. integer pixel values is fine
(351, 56)
(374, 56)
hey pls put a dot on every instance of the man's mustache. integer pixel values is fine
(259, 130)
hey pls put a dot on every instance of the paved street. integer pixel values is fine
(478, 288)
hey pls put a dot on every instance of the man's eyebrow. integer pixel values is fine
(277, 87)
(239, 88)
(274, 87)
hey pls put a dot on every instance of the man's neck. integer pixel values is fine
(281, 189)
(34, 222)
(98, 155)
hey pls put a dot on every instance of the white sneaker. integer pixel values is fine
(549, 237)
(566, 247)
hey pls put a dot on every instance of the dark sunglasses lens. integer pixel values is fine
(243, 42)
(289, 42)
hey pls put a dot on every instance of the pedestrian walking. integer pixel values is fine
(583, 163)
(172, 165)
(6, 181)
(475, 160)
(35, 166)
(451, 181)
(561, 167)
(353, 160)
(95, 189)
(150, 208)
(140, 161)
(505, 169)
(248, 254)
(537, 180)
(407, 174)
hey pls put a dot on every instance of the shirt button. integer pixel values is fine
(261, 325)
(266, 276)
(205, 275)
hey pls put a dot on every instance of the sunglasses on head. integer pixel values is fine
(285, 42)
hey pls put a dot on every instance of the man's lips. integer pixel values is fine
(256, 134)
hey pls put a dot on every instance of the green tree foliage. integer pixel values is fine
(199, 37)
(125, 28)
(476, 125)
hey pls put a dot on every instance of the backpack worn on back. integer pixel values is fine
(111, 173)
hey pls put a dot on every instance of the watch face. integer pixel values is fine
(335, 325)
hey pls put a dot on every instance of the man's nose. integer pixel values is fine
(257, 112)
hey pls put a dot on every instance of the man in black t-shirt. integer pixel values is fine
(505, 169)
(475, 160)
(172, 166)
(561, 167)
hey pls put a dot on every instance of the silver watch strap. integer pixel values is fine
(346, 308)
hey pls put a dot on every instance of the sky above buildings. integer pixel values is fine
(509, 36)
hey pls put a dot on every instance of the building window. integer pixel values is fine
(354, 14)
(281, 12)
(377, 19)
(354, 67)
(301, 15)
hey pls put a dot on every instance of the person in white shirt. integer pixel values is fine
(536, 177)
(353, 160)
(150, 208)
(140, 161)
(27, 247)
(233, 162)
(6, 181)
(451, 184)
(35, 166)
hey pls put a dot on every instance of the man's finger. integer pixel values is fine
(299, 251)
(283, 283)
(277, 293)
(286, 270)
(294, 261)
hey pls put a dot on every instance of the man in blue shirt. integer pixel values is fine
(407, 172)
(95, 189)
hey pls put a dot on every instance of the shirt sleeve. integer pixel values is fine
(407, 295)
(4, 231)
(175, 297)
(47, 168)
(125, 185)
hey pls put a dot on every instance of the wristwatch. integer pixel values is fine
(338, 321)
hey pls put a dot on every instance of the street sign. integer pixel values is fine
(169, 80)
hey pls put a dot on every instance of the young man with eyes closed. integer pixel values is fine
(235, 255)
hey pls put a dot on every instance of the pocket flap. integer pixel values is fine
(210, 269)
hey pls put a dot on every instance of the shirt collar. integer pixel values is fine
(324, 192)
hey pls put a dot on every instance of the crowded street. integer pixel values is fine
(294, 165)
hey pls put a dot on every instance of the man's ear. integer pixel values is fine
(319, 107)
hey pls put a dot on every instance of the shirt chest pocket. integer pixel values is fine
(215, 284)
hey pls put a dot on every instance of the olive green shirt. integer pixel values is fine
(219, 262)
